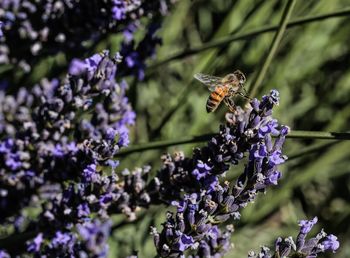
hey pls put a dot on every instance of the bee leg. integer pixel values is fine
(230, 104)
(245, 91)
(244, 95)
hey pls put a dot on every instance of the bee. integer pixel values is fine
(223, 89)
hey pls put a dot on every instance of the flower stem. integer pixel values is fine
(295, 134)
(273, 49)
(311, 149)
(319, 135)
(163, 144)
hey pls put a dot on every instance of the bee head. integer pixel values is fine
(240, 76)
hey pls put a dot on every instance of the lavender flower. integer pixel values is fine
(94, 235)
(135, 55)
(38, 125)
(35, 244)
(1, 32)
(319, 244)
(247, 132)
(89, 239)
(207, 202)
(79, 202)
(100, 194)
(310, 248)
(71, 27)
(4, 254)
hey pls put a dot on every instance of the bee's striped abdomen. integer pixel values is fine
(215, 98)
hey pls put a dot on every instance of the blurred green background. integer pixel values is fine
(311, 71)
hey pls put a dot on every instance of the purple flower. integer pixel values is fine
(6, 146)
(13, 161)
(277, 158)
(87, 66)
(211, 202)
(304, 247)
(58, 151)
(330, 243)
(111, 133)
(95, 235)
(4, 254)
(40, 149)
(184, 242)
(210, 183)
(306, 225)
(90, 174)
(213, 233)
(270, 127)
(129, 32)
(77, 67)
(259, 151)
(83, 210)
(1, 32)
(120, 9)
(181, 205)
(35, 244)
(201, 171)
(273, 178)
(274, 97)
(60, 239)
(135, 55)
(118, 13)
(123, 133)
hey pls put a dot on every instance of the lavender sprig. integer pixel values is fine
(136, 54)
(83, 204)
(89, 240)
(310, 248)
(248, 132)
(207, 202)
(193, 229)
(57, 130)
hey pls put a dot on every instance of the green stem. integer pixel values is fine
(274, 46)
(311, 149)
(319, 135)
(296, 134)
(248, 35)
(164, 144)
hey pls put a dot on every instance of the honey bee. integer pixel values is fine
(223, 89)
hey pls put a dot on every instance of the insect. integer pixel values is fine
(223, 89)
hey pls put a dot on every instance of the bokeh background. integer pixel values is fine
(311, 72)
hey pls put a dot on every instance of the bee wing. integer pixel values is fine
(210, 81)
